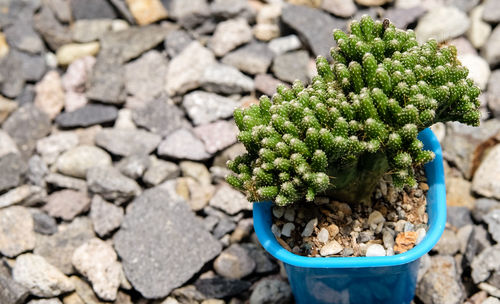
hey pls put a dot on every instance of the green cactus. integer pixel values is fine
(357, 121)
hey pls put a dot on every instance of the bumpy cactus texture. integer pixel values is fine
(356, 121)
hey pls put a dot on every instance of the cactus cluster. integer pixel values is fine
(357, 121)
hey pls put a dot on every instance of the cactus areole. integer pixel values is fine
(356, 122)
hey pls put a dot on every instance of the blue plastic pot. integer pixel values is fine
(364, 280)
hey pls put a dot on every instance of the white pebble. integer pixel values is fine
(278, 211)
(308, 230)
(409, 227)
(420, 235)
(374, 219)
(287, 229)
(390, 251)
(323, 235)
(330, 248)
(388, 239)
(276, 230)
(399, 226)
(290, 214)
(375, 250)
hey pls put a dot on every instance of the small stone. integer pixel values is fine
(491, 11)
(493, 221)
(88, 30)
(458, 216)
(341, 8)
(189, 14)
(223, 228)
(405, 241)
(50, 147)
(289, 214)
(63, 181)
(176, 41)
(203, 107)
(7, 106)
(93, 9)
(77, 74)
(266, 84)
(159, 117)
(291, 66)
(309, 228)
(133, 166)
(127, 142)
(479, 70)
(41, 278)
(13, 167)
(253, 58)
(375, 218)
(458, 191)
(491, 300)
(217, 135)
(105, 216)
(229, 35)
(196, 171)
(229, 200)
(493, 93)
(45, 301)
(54, 33)
(234, 263)
(97, 261)
(323, 235)
(266, 32)
(486, 180)
(67, 204)
(448, 244)
(76, 161)
(485, 263)
(276, 230)
(271, 291)
(285, 44)
(289, 227)
(186, 69)
(182, 144)
(88, 115)
(107, 80)
(421, 232)
(219, 287)
(388, 239)
(68, 53)
(375, 250)
(124, 120)
(159, 171)
(442, 23)
(147, 12)
(331, 248)
(278, 211)
(138, 80)
(479, 30)
(43, 223)
(27, 194)
(12, 292)
(225, 79)
(491, 50)
(17, 235)
(111, 184)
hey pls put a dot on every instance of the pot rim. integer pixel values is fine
(436, 208)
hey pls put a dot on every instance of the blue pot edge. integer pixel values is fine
(437, 221)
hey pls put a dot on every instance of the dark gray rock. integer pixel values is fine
(111, 184)
(33, 66)
(159, 117)
(493, 221)
(27, 95)
(22, 36)
(92, 9)
(125, 142)
(44, 223)
(491, 12)
(225, 79)
(11, 292)
(494, 93)
(458, 216)
(26, 125)
(156, 239)
(402, 17)
(219, 287)
(313, 26)
(291, 66)
(61, 9)
(253, 58)
(11, 75)
(13, 168)
(107, 81)
(264, 262)
(271, 291)
(55, 34)
(88, 115)
(176, 41)
(485, 263)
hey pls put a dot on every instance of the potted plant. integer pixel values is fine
(364, 117)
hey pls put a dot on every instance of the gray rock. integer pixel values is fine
(442, 23)
(105, 216)
(188, 14)
(291, 66)
(479, 70)
(51, 146)
(86, 116)
(67, 204)
(341, 8)
(494, 93)
(234, 263)
(203, 107)
(217, 135)
(486, 180)
(493, 221)
(271, 291)
(26, 96)
(122, 8)
(229, 35)
(176, 41)
(464, 5)
(55, 34)
(285, 44)
(313, 26)
(111, 184)
(231, 8)
(159, 171)
(185, 71)
(266, 84)
(11, 292)
(491, 11)
(156, 238)
(41, 278)
(402, 17)
(229, 200)
(58, 248)
(92, 9)
(448, 244)
(62, 181)
(159, 117)
(133, 166)
(97, 261)
(491, 50)
(43, 223)
(458, 216)
(127, 142)
(225, 79)
(25, 194)
(13, 167)
(107, 81)
(441, 283)
(253, 58)
(21, 35)
(483, 206)
(264, 262)
(87, 30)
(37, 169)
(138, 80)
(11, 75)
(17, 235)
(468, 245)
(485, 263)
(33, 66)
(220, 288)
(182, 144)
(77, 161)
(26, 125)
(7, 144)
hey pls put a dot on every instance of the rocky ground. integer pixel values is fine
(116, 124)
